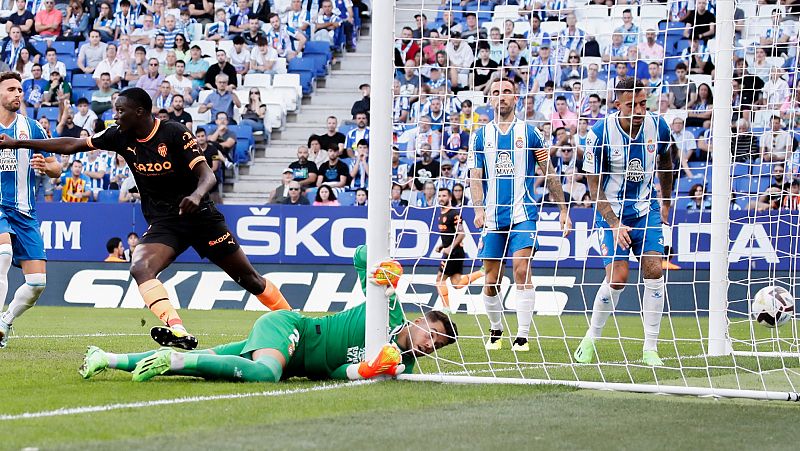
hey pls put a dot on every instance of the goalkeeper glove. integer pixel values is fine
(386, 273)
(387, 363)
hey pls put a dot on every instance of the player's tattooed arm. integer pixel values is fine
(553, 181)
(665, 173)
(63, 146)
(599, 197)
(476, 189)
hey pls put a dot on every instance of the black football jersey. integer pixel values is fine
(161, 164)
(448, 225)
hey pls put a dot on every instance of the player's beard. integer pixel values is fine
(12, 106)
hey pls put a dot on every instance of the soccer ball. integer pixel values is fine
(772, 307)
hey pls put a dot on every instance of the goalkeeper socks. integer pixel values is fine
(25, 296)
(6, 255)
(526, 300)
(226, 367)
(126, 362)
(441, 287)
(652, 309)
(494, 310)
(272, 297)
(157, 300)
(605, 302)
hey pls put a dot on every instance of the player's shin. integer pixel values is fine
(25, 296)
(604, 303)
(6, 255)
(526, 300)
(157, 300)
(226, 367)
(652, 310)
(444, 293)
(272, 297)
(494, 310)
(126, 362)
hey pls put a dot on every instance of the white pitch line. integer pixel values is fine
(160, 402)
(101, 335)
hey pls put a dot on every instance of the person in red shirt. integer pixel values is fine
(406, 47)
(48, 21)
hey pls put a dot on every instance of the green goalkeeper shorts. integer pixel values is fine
(275, 330)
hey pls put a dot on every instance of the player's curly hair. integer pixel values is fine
(10, 75)
(450, 328)
(138, 96)
(628, 84)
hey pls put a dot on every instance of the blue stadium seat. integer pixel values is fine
(241, 153)
(347, 198)
(685, 183)
(306, 68)
(81, 92)
(50, 112)
(320, 63)
(70, 62)
(83, 81)
(311, 195)
(39, 46)
(243, 131)
(108, 196)
(696, 131)
(317, 48)
(64, 47)
(670, 63)
(741, 169)
(345, 128)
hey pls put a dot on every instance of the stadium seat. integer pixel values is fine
(83, 81)
(108, 196)
(320, 63)
(241, 153)
(653, 11)
(476, 97)
(766, 10)
(591, 12)
(203, 95)
(698, 79)
(39, 46)
(198, 119)
(317, 48)
(70, 62)
(50, 112)
(740, 169)
(257, 80)
(304, 67)
(686, 183)
(226, 45)
(243, 131)
(284, 82)
(347, 198)
(63, 47)
(207, 48)
(77, 93)
(552, 28)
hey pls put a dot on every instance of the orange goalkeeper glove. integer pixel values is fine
(387, 363)
(387, 273)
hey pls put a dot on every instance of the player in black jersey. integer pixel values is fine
(174, 180)
(451, 233)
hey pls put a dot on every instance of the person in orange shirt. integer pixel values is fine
(116, 253)
(76, 187)
(48, 22)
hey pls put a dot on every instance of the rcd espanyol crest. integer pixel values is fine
(651, 146)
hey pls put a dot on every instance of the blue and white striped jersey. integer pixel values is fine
(509, 163)
(17, 178)
(626, 165)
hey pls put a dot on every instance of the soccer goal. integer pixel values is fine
(733, 227)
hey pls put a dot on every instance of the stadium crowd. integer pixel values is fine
(195, 54)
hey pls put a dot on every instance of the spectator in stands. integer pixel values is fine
(66, 126)
(468, 118)
(399, 170)
(223, 136)
(426, 197)
(22, 18)
(649, 49)
(281, 192)
(460, 56)
(544, 68)
(56, 91)
(156, 8)
(133, 242)
(75, 186)
(681, 91)
(769, 200)
(181, 47)
(333, 172)
(698, 201)
(168, 68)
(616, 50)
(304, 171)
(572, 179)
(124, 18)
(240, 56)
(33, 89)
(217, 30)
(12, 46)
(469, 30)
(435, 45)
(315, 151)
(253, 33)
(297, 17)
(571, 39)
(76, 25)
(214, 160)
(700, 110)
(295, 196)
(362, 105)
(91, 54)
(776, 143)
(170, 31)
(424, 170)
(101, 97)
(325, 197)
(686, 144)
(595, 112)
(263, 58)
(221, 67)
(116, 252)
(496, 45)
(775, 91)
(421, 137)
(181, 84)
(111, 65)
(571, 71)
(201, 10)
(700, 22)
(118, 172)
(592, 84)
(137, 66)
(362, 198)
(357, 134)
(53, 64)
(85, 117)
(327, 23)
(406, 48)
(107, 118)
(178, 114)
(163, 100)
(629, 31)
(332, 137)
(151, 81)
(563, 117)
(409, 80)
(779, 177)
(791, 199)
(347, 19)
(94, 167)
(656, 85)
(397, 203)
(145, 34)
(448, 22)
(197, 68)
(129, 192)
(104, 23)
(223, 99)
(48, 22)
(359, 167)
(254, 112)
(158, 51)
(745, 143)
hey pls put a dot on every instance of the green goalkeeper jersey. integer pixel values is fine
(328, 344)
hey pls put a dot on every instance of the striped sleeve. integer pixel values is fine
(475, 157)
(536, 143)
(593, 149)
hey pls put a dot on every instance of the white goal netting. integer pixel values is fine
(565, 57)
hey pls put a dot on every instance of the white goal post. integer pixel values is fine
(712, 347)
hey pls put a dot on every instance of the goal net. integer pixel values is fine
(722, 66)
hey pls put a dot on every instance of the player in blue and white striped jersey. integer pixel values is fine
(502, 158)
(19, 230)
(623, 154)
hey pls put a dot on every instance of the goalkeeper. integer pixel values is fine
(284, 344)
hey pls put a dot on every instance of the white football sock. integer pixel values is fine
(652, 309)
(494, 310)
(526, 300)
(605, 302)
(25, 297)
(6, 255)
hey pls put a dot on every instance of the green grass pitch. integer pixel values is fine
(38, 374)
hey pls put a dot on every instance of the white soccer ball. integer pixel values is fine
(772, 307)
